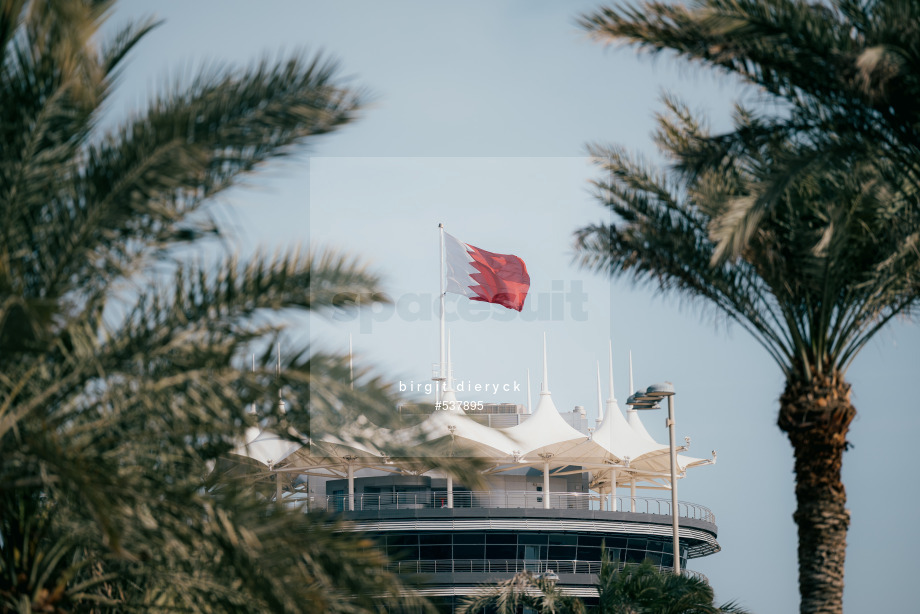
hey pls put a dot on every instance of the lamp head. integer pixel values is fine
(658, 391)
(642, 401)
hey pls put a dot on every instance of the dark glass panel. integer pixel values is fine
(635, 556)
(531, 538)
(615, 542)
(501, 551)
(654, 557)
(403, 553)
(591, 540)
(637, 543)
(531, 552)
(562, 553)
(434, 538)
(562, 539)
(589, 554)
(435, 553)
(656, 546)
(405, 539)
(463, 537)
(501, 538)
(469, 551)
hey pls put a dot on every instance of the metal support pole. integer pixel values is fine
(351, 487)
(613, 490)
(674, 509)
(546, 484)
(632, 495)
(450, 492)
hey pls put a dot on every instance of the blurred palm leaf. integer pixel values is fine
(120, 361)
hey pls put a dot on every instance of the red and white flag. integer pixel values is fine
(485, 276)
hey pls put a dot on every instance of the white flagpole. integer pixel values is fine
(449, 382)
(443, 358)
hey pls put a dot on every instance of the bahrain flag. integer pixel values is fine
(485, 276)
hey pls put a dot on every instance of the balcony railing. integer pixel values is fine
(493, 566)
(510, 567)
(509, 499)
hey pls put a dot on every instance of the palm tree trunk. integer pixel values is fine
(816, 416)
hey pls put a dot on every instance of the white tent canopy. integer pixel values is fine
(620, 451)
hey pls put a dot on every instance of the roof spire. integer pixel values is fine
(544, 386)
(613, 396)
(631, 388)
(529, 404)
(600, 404)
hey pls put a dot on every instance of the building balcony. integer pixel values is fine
(644, 519)
(510, 500)
(500, 566)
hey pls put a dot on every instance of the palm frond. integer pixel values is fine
(120, 379)
(844, 74)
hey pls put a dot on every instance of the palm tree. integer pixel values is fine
(622, 589)
(826, 269)
(524, 590)
(120, 357)
(644, 589)
(844, 73)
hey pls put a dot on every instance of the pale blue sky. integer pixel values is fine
(481, 114)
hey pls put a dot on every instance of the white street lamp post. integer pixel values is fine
(673, 483)
(649, 400)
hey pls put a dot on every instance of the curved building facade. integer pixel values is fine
(488, 536)
(557, 492)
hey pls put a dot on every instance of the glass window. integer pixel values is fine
(406, 539)
(655, 558)
(530, 553)
(615, 542)
(469, 551)
(434, 538)
(590, 540)
(531, 538)
(562, 553)
(501, 551)
(635, 556)
(501, 538)
(469, 538)
(656, 546)
(586, 553)
(403, 553)
(562, 539)
(435, 553)
(637, 543)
